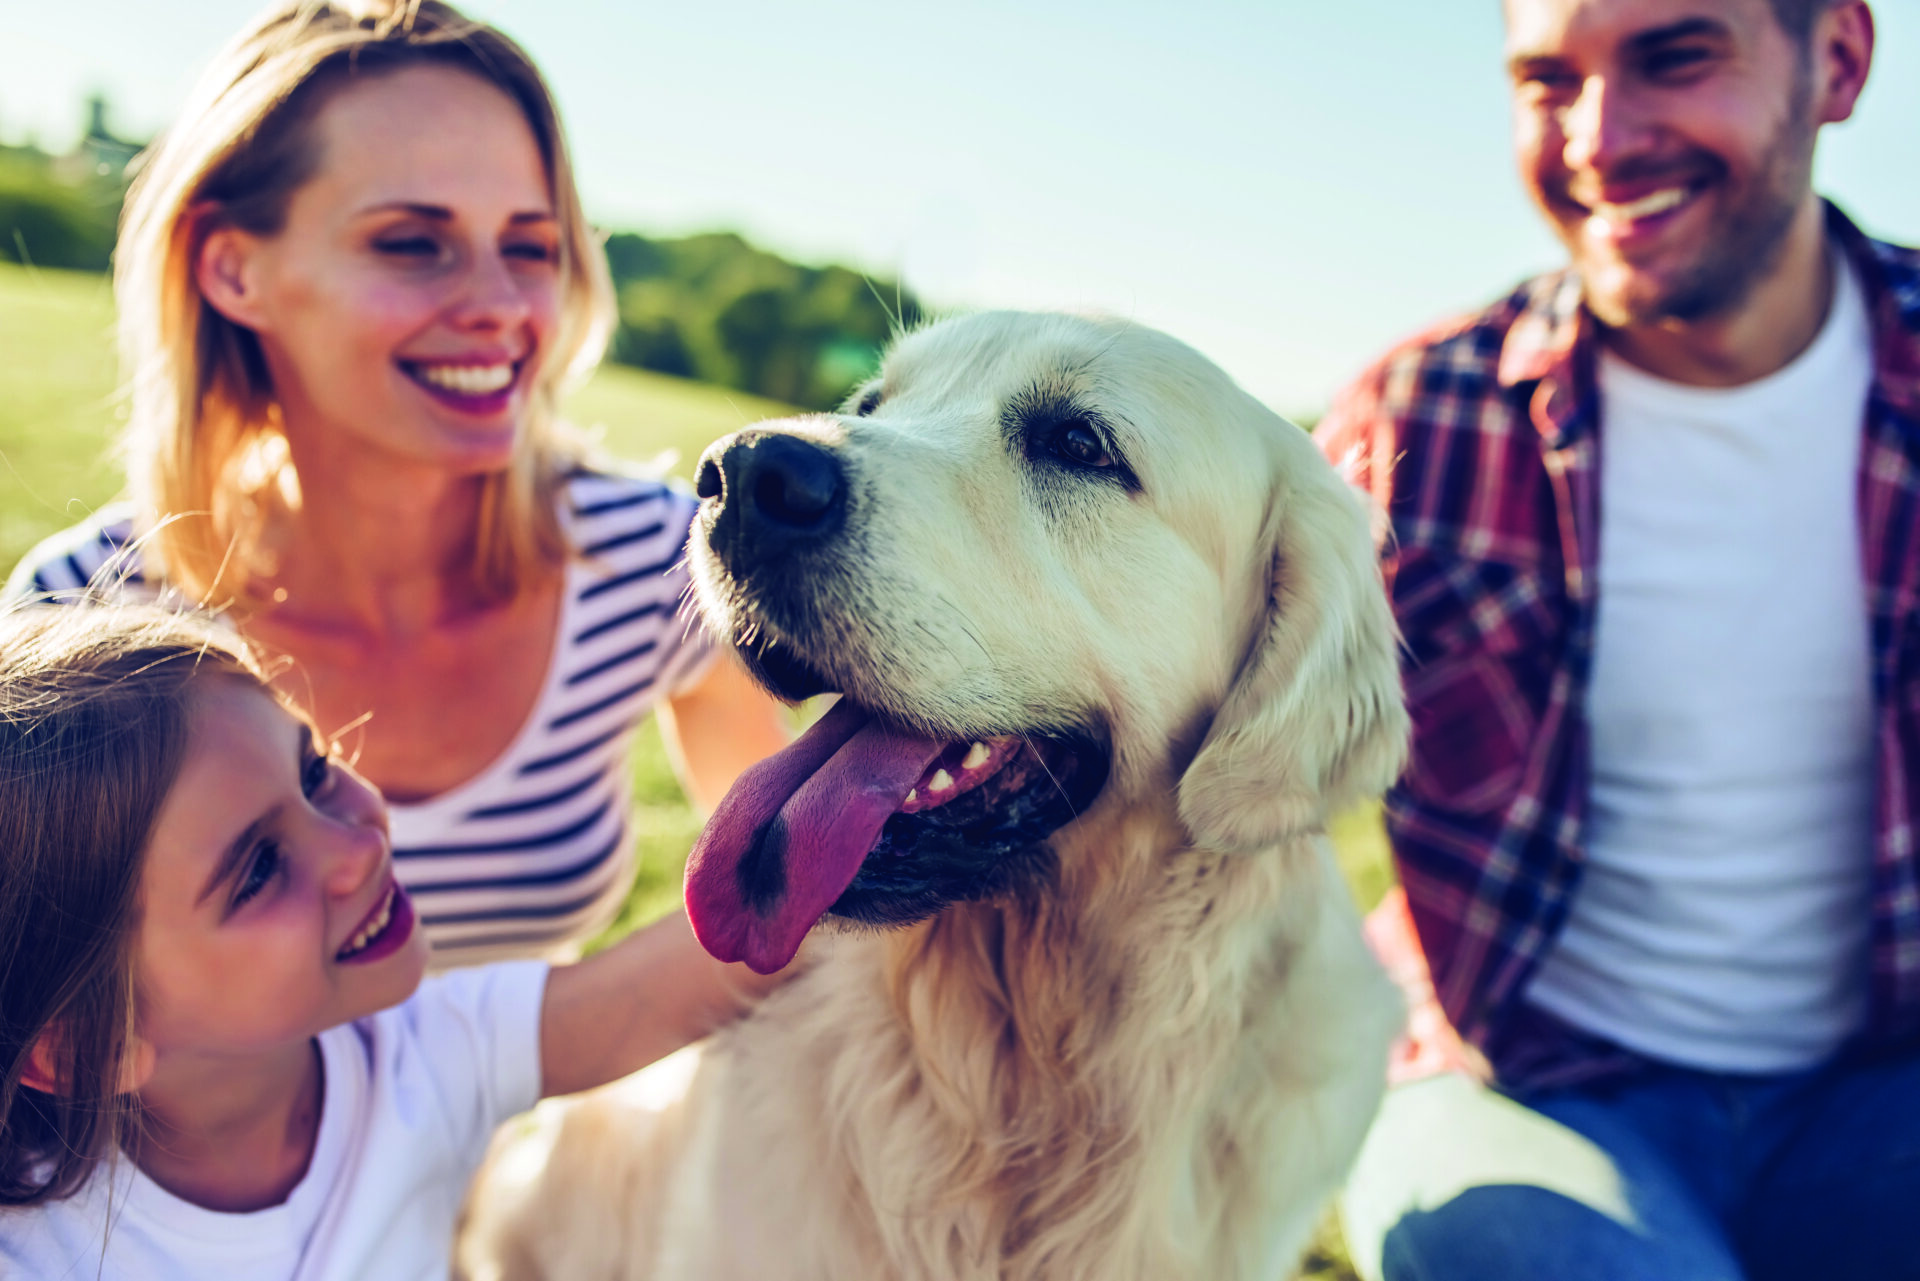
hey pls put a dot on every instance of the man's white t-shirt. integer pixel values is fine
(1722, 919)
(412, 1097)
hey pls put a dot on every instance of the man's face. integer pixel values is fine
(1668, 142)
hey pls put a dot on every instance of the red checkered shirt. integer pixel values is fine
(1479, 439)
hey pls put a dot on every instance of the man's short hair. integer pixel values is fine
(1796, 17)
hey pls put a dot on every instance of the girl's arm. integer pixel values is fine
(658, 989)
(718, 728)
(641, 999)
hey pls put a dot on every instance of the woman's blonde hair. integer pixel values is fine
(203, 435)
(94, 709)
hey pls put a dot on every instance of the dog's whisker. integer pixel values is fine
(962, 622)
(892, 313)
(1051, 777)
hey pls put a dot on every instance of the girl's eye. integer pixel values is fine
(1078, 443)
(261, 869)
(315, 773)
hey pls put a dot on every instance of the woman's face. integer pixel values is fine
(405, 307)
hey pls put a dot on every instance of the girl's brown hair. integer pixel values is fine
(93, 728)
(203, 435)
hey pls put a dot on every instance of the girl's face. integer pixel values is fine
(405, 306)
(269, 910)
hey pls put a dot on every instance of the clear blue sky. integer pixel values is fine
(1288, 185)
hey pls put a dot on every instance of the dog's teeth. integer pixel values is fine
(976, 756)
(941, 781)
(913, 794)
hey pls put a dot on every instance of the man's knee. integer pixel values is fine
(1459, 1182)
(1516, 1232)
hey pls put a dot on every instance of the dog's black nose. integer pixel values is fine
(775, 491)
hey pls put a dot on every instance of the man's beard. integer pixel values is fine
(1745, 246)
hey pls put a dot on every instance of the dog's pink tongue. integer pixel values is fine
(788, 839)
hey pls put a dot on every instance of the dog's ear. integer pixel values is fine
(1314, 719)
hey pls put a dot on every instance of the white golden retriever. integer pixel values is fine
(1112, 646)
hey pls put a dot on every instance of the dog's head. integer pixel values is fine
(1047, 561)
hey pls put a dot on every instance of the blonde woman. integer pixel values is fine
(352, 282)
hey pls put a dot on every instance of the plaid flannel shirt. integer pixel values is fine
(1479, 439)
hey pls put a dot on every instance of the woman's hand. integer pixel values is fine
(640, 1000)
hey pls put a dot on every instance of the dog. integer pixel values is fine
(1111, 645)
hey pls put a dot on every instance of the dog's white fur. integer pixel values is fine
(1159, 1063)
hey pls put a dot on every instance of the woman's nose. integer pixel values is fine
(494, 298)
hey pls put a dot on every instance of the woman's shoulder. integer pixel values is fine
(63, 565)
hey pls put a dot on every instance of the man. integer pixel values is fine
(1656, 557)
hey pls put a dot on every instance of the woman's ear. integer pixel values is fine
(42, 1072)
(226, 269)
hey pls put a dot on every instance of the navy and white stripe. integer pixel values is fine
(533, 853)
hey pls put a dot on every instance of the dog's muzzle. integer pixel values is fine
(778, 495)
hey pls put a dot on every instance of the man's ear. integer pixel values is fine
(1841, 51)
(42, 1072)
(1315, 719)
(226, 269)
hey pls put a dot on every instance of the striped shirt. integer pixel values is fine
(533, 853)
(1480, 440)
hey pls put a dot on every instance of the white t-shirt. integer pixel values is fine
(1722, 920)
(412, 1096)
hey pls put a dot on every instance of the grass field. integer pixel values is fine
(59, 413)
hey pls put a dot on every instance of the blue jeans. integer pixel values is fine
(1675, 1175)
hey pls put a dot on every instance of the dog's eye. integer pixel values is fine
(1078, 443)
(868, 402)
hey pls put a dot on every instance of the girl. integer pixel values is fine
(219, 1058)
(353, 279)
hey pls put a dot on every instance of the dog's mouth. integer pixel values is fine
(868, 820)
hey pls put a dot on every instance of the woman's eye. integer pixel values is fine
(1081, 444)
(532, 252)
(261, 869)
(408, 247)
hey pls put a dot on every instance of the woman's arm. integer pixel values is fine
(640, 1000)
(718, 728)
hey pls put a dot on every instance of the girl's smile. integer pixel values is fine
(384, 932)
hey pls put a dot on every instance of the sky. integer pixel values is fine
(1288, 185)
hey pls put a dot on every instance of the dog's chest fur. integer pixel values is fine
(1015, 1091)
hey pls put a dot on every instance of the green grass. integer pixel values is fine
(59, 413)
